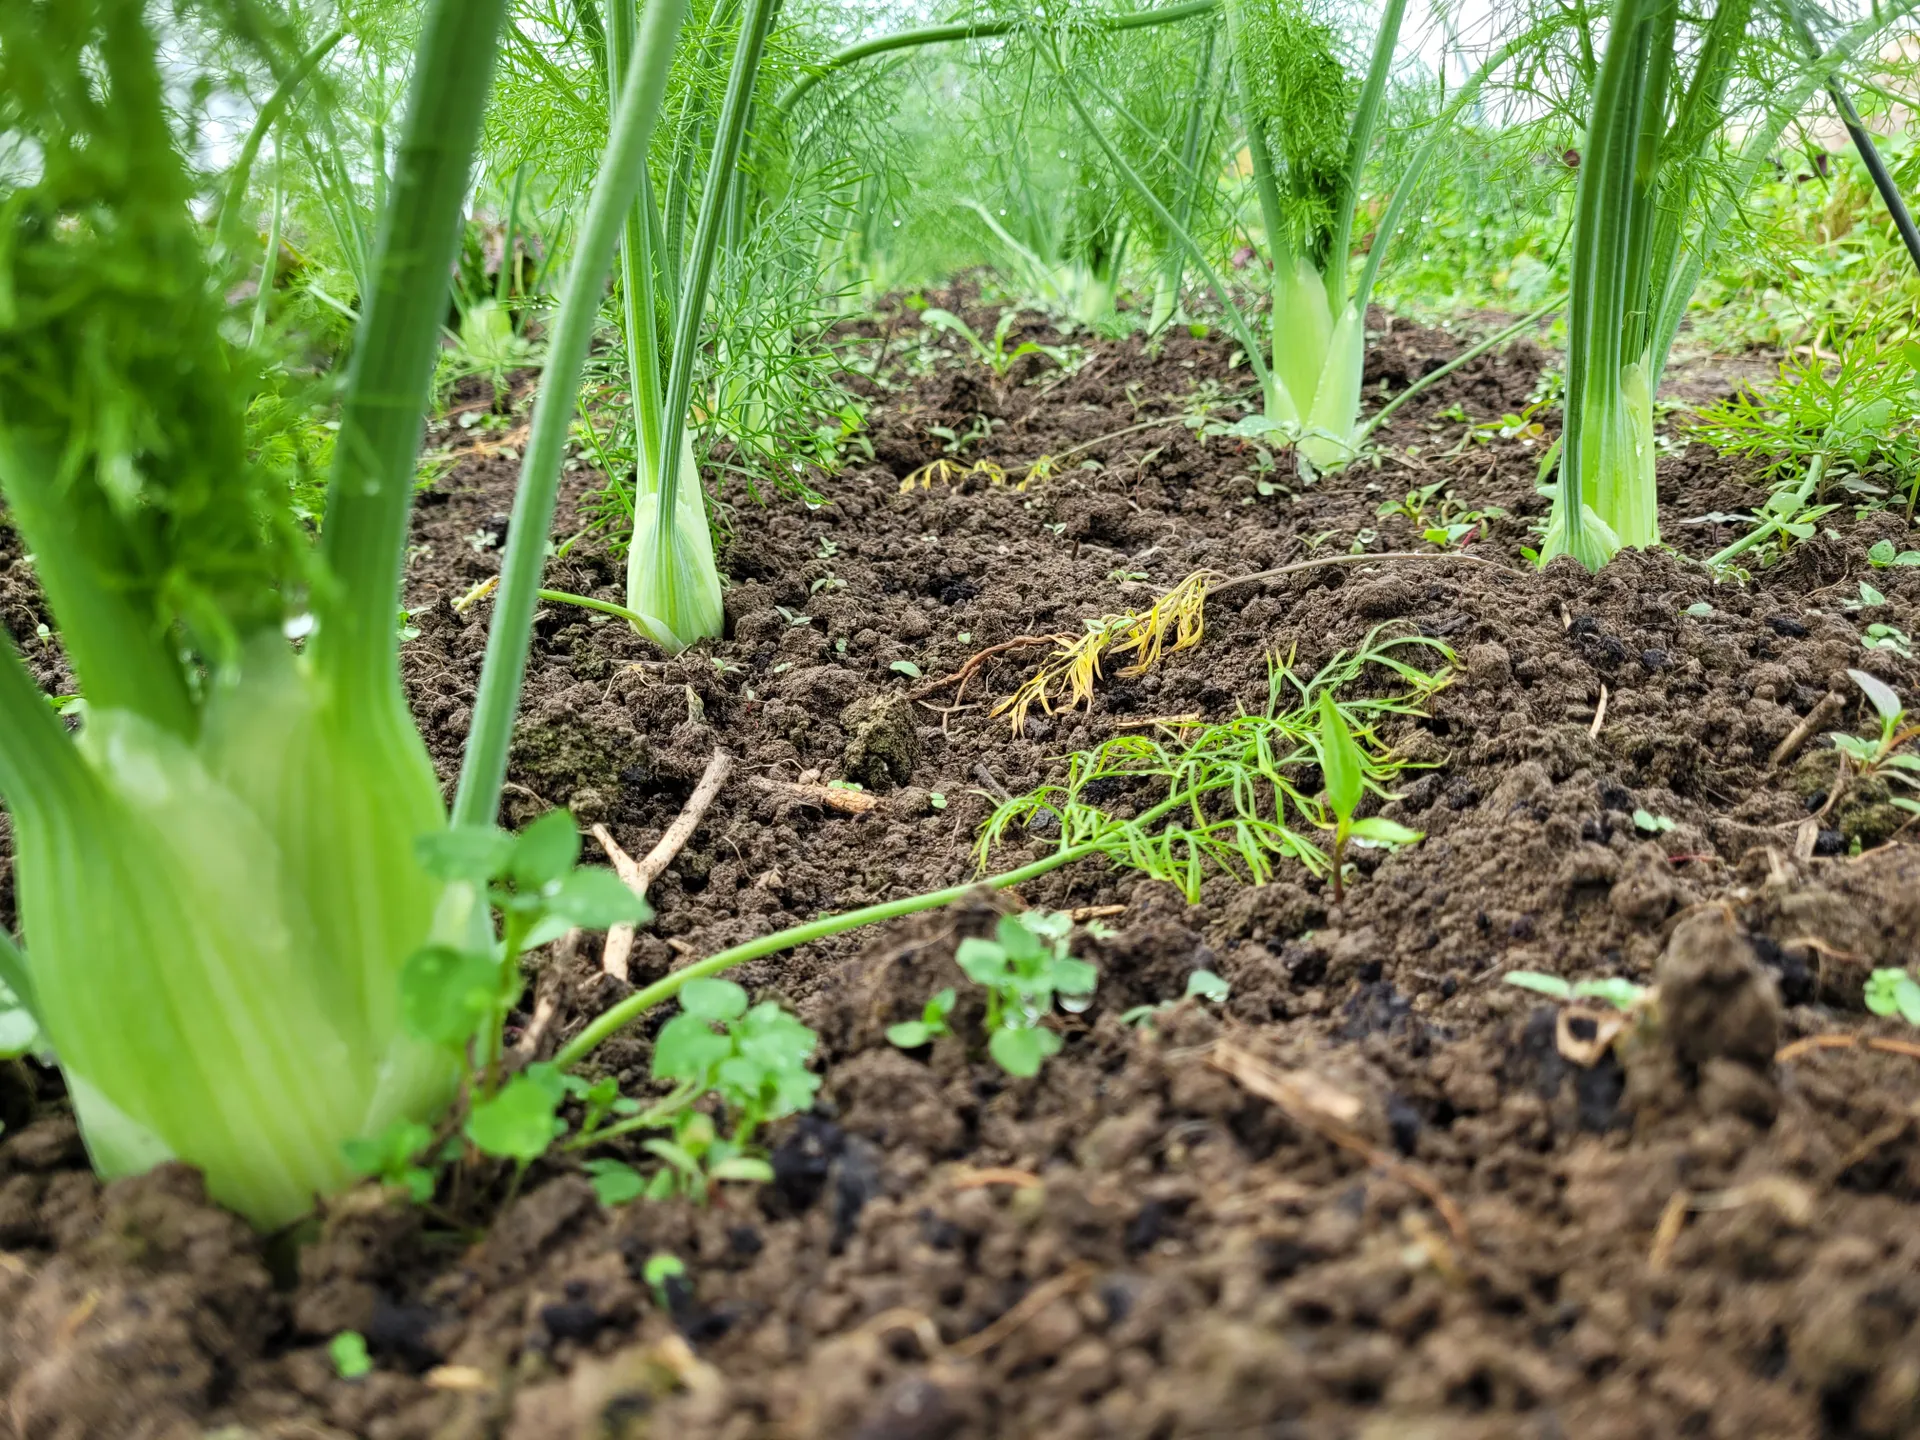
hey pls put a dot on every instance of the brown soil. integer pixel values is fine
(1370, 1196)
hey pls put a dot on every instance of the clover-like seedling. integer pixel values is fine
(1893, 991)
(1201, 985)
(754, 1064)
(1650, 823)
(392, 1157)
(1344, 770)
(1621, 994)
(1023, 969)
(932, 1024)
(1884, 555)
(454, 996)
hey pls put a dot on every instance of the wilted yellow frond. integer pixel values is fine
(947, 472)
(1066, 678)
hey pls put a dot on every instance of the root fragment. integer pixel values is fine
(639, 875)
(1314, 1105)
(824, 797)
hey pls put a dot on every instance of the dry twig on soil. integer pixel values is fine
(1315, 1105)
(825, 797)
(639, 875)
(1817, 719)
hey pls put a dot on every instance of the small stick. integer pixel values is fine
(1599, 715)
(1192, 717)
(1094, 912)
(1801, 1048)
(1666, 1234)
(985, 777)
(995, 1175)
(1037, 1299)
(1828, 710)
(638, 876)
(847, 802)
(1290, 1094)
(1299, 565)
(973, 662)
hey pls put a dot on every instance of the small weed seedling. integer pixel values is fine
(1893, 992)
(1201, 985)
(1413, 505)
(659, 1273)
(1884, 555)
(754, 1063)
(1649, 823)
(995, 355)
(1621, 994)
(348, 1351)
(932, 1024)
(1879, 636)
(1882, 756)
(1022, 969)
(1345, 770)
(458, 998)
(1868, 599)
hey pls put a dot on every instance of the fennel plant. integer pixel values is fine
(1645, 220)
(221, 880)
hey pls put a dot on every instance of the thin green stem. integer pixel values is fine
(638, 284)
(970, 30)
(270, 264)
(269, 116)
(664, 989)
(1235, 319)
(1409, 181)
(587, 602)
(1499, 337)
(484, 768)
(706, 243)
(1816, 470)
(384, 415)
(1360, 145)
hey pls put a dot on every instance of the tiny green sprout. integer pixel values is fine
(660, 1269)
(1883, 555)
(906, 668)
(932, 1024)
(965, 637)
(348, 1351)
(755, 1064)
(1022, 969)
(390, 1157)
(1893, 992)
(1699, 610)
(1344, 770)
(614, 1182)
(1201, 985)
(1888, 637)
(1868, 599)
(1650, 823)
(936, 800)
(1621, 994)
(1883, 756)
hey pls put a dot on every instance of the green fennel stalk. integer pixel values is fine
(1641, 237)
(220, 881)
